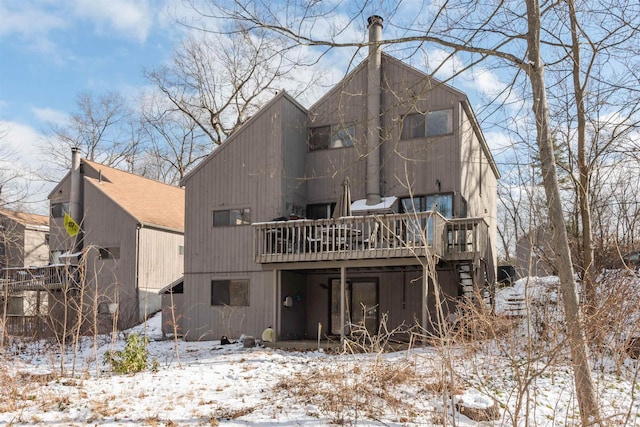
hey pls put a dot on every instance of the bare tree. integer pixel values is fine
(218, 81)
(176, 142)
(104, 129)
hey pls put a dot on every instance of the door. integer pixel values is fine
(361, 305)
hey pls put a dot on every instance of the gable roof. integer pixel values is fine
(149, 202)
(232, 137)
(25, 218)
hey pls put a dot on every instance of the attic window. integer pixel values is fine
(336, 136)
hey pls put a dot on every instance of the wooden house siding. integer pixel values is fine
(261, 167)
(159, 264)
(206, 322)
(108, 226)
(326, 169)
(479, 182)
(36, 248)
(160, 261)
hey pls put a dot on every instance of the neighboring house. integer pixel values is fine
(24, 246)
(24, 239)
(534, 254)
(131, 239)
(424, 188)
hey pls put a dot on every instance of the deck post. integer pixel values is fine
(343, 274)
(425, 293)
(276, 306)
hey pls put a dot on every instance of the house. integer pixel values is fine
(271, 239)
(534, 253)
(130, 237)
(24, 239)
(24, 245)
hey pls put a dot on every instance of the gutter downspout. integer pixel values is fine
(373, 111)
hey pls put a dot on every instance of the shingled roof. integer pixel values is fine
(148, 201)
(25, 218)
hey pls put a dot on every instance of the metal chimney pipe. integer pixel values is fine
(373, 111)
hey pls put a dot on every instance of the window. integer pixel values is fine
(232, 217)
(320, 211)
(336, 136)
(58, 209)
(319, 138)
(441, 203)
(230, 292)
(434, 123)
(15, 306)
(110, 253)
(343, 137)
(463, 208)
(181, 250)
(439, 122)
(413, 126)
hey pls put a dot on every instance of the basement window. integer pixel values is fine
(230, 292)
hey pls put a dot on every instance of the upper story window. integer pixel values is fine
(433, 123)
(58, 209)
(232, 217)
(336, 136)
(110, 253)
(441, 203)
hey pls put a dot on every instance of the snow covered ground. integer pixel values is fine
(205, 383)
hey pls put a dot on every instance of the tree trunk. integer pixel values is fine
(587, 402)
(583, 169)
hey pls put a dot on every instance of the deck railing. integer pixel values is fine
(364, 237)
(39, 278)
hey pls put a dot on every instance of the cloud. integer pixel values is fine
(50, 115)
(125, 17)
(24, 143)
(28, 21)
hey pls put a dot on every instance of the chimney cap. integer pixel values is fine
(375, 19)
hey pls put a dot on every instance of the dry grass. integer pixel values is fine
(347, 392)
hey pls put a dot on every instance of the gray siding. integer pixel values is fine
(265, 166)
(106, 225)
(260, 168)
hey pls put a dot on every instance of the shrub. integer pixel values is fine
(134, 358)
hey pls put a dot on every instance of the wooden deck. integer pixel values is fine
(371, 237)
(39, 278)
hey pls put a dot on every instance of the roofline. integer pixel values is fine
(142, 224)
(230, 139)
(171, 285)
(58, 185)
(94, 182)
(483, 143)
